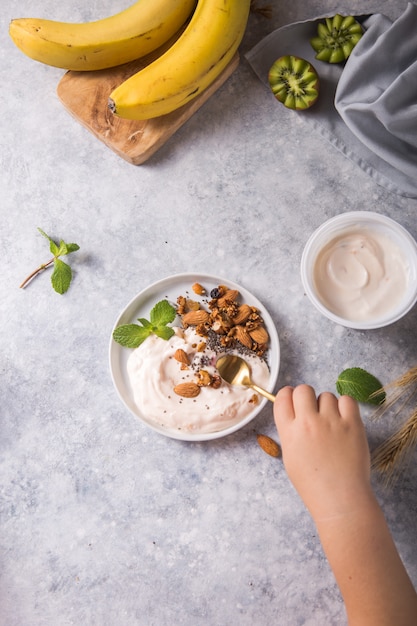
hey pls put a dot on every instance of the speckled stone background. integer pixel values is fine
(103, 521)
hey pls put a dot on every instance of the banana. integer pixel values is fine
(189, 66)
(125, 36)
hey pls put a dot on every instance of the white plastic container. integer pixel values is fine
(371, 224)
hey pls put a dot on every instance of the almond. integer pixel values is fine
(268, 445)
(242, 315)
(198, 289)
(243, 336)
(259, 335)
(187, 390)
(194, 318)
(230, 296)
(181, 357)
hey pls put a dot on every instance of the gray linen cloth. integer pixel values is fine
(367, 108)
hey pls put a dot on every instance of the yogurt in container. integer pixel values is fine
(359, 269)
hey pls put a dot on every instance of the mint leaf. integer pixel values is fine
(42, 232)
(164, 332)
(145, 322)
(67, 248)
(72, 247)
(361, 385)
(63, 249)
(131, 335)
(162, 313)
(61, 276)
(52, 245)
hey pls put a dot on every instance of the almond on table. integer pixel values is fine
(268, 445)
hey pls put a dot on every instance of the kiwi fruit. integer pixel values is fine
(294, 82)
(336, 38)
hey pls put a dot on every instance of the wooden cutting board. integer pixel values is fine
(85, 96)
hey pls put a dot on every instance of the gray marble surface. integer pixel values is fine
(103, 521)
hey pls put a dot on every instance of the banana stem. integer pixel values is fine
(36, 272)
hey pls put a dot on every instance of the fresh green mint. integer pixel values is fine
(62, 273)
(132, 335)
(361, 385)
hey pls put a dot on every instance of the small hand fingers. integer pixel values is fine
(328, 403)
(283, 405)
(305, 401)
(348, 407)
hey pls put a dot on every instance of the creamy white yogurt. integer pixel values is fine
(154, 372)
(361, 275)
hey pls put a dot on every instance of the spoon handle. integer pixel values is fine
(263, 392)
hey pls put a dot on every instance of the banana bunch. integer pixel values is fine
(190, 65)
(131, 34)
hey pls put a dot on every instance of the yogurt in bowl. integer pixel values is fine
(360, 270)
(172, 385)
(168, 394)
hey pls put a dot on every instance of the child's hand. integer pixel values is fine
(326, 455)
(325, 451)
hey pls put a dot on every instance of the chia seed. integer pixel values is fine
(214, 343)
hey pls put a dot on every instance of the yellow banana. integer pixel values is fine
(123, 37)
(189, 66)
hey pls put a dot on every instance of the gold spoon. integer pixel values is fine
(235, 371)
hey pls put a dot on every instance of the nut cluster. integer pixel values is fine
(203, 378)
(234, 325)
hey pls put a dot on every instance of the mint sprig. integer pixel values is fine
(361, 385)
(62, 274)
(132, 335)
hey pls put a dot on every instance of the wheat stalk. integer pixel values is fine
(392, 455)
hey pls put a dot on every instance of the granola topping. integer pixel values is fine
(237, 324)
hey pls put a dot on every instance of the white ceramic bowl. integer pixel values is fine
(370, 222)
(171, 288)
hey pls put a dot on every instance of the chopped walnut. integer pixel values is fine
(204, 379)
(182, 305)
(202, 329)
(192, 305)
(216, 381)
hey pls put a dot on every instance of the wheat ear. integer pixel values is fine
(392, 455)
